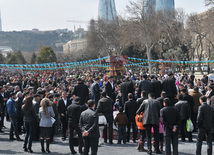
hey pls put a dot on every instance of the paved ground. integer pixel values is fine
(59, 147)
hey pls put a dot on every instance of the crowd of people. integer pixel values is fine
(41, 105)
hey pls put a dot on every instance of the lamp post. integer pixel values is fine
(82, 56)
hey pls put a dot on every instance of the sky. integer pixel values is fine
(20, 15)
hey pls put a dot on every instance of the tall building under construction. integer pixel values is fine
(107, 10)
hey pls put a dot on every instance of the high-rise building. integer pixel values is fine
(107, 10)
(159, 5)
(149, 5)
(165, 5)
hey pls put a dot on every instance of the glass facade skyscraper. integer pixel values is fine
(107, 10)
(149, 5)
(165, 5)
(159, 5)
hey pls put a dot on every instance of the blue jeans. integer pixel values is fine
(29, 127)
(14, 127)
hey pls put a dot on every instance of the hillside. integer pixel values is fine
(29, 40)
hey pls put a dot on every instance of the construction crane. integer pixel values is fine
(76, 21)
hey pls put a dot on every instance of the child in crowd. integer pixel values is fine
(117, 104)
(120, 122)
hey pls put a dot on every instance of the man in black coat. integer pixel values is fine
(130, 108)
(63, 103)
(205, 120)
(89, 124)
(5, 95)
(156, 87)
(185, 113)
(95, 91)
(1, 109)
(169, 87)
(151, 110)
(126, 87)
(145, 85)
(110, 88)
(81, 90)
(161, 98)
(191, 102)
(144, 96)
(19, 104)
(105, 106)
(170, 118)
(73, 116)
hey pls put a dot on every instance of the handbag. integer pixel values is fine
(102, 120)
(140, 117)
(189, 125)
(53, 120)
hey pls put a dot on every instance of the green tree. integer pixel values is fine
(46, 55)
(33, 58)
(16, 58)
(2, 58)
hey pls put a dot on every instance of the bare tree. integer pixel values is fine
(200, 27)
(143, 26)
(103, 37)
(209, 2)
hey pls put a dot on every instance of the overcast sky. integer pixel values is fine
(52, 14)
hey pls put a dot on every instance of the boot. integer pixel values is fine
(47, 146)
(154, 146)
(142, 147)
(25, 148)
(139, 145)
(42, 145)
(161, 146)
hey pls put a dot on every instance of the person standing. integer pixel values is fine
(11, 109)
(169, 87)
(19, 103)
(185, 113)
(151, 110)
(130, 109)
(121, 122)
(196, 96)
(36, 106)
(81, 90)
(95, 90)
(1, 110)
(191, 103)
(89, 125)
(160, 99)
(105, 106)
(145, 85)
(45, 124)
(205, 121)
(29, 118)
(110, 88)
(171, 119)
(73, 116)
(3, 101)
(126, 88)
(156, 87)
(63, 103)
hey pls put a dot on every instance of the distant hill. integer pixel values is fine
(29, 41)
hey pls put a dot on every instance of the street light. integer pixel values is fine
(109, 52)
(81, 56)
